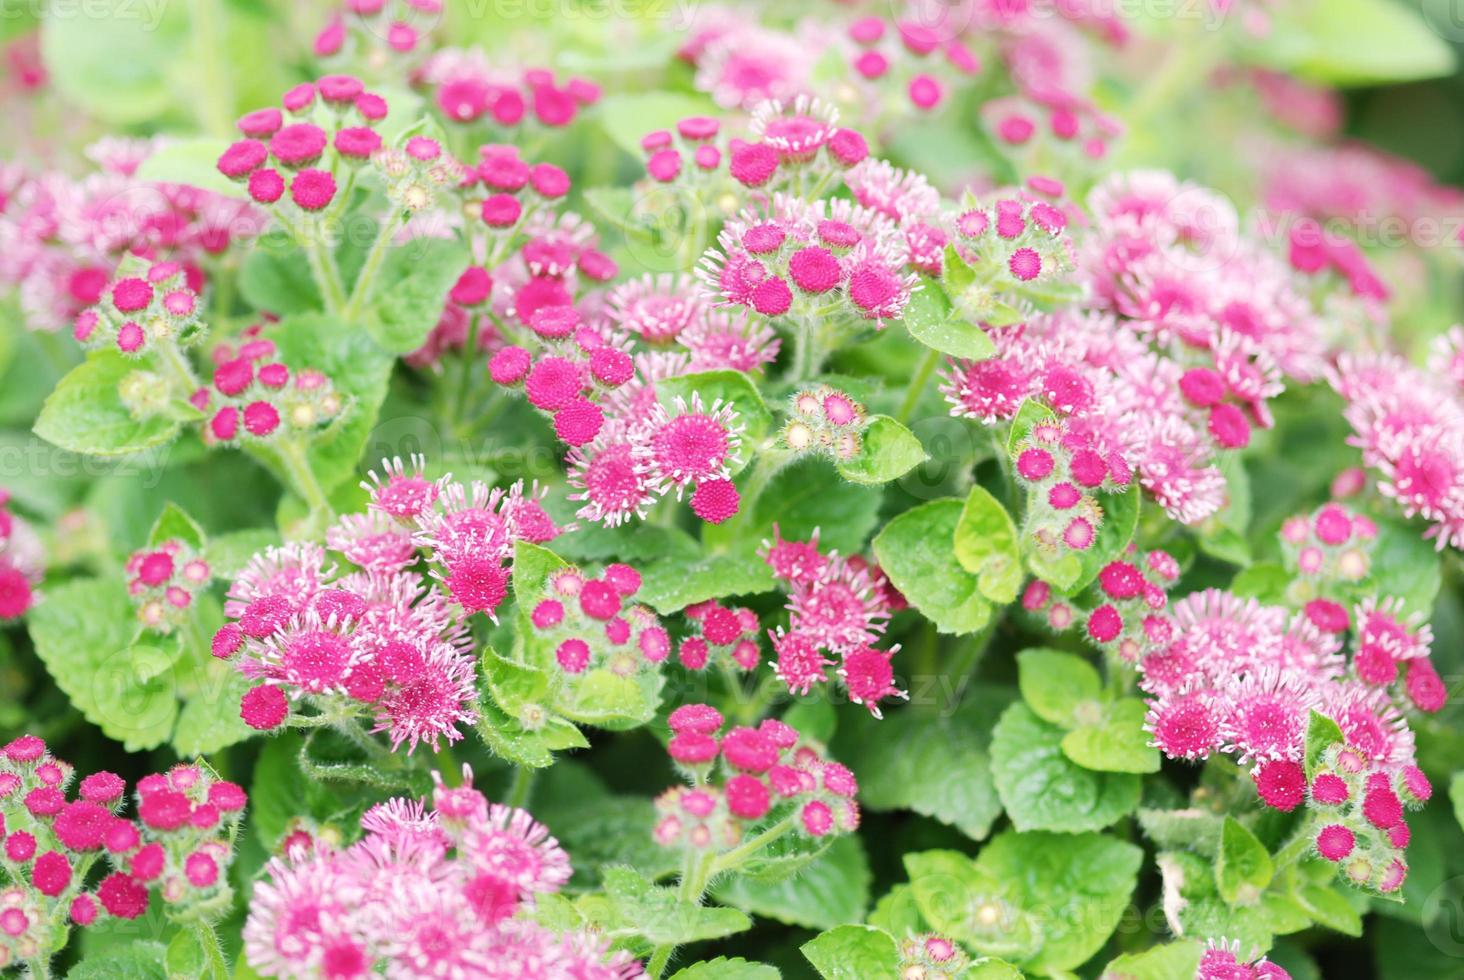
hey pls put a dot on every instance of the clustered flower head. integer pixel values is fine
(418, 172)
(21, 561)
(824, 420)
(163, 581)
(659, 311)
(179, 845)
(589, 625)
(1064, 468)
(637, 458)
(375, 31)
(440, 891)
(1222, 960)
(720, 634)
(1409, 424)
(255, 397)
(1361, 806)
(138, 312)
(1014, 243)
(1129, 617)
(932, 956)
(326, 130)
(837, 609)
(373, 635)
(63, 235)
(470, 89)
(749, 777)
(920, 62)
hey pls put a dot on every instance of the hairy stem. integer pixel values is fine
(916, 388)
(366, 281)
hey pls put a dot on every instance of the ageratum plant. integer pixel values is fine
(897, 491)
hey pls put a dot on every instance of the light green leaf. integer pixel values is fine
(175, 524)
(829, 891)
(1167, 961)
(1243, 869)
(1329, 908)
(929, 319)
(407, 296)
(194, 163)
(228, 553)
(1321, 732)
(1456, 795)
(887, 452)
(986, 546)
(1058, 686)
(83, 633)
(86, 414)
(854, 952)
(635, 907)
(133, 961)
(1042, 789)
(608, 700)
(727, 968)
(1357, 42)
(628, 117)
(1118, 743)
(117, 59)
(671, 584)
(916, 552)
(532, 566)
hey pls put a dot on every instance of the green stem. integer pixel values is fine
(302, 477)
(1299, 846)
(209, 940)
(522, 787)
(361, 291)
(465, 369)
(1186, 65)
(737, 857)
(176, 365)
(694, 877)
(807, 356)
(916, 388)
(769, 463)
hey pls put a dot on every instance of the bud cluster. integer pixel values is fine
(137, 312)
(162, 581)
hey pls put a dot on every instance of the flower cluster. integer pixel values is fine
(61, 236)
(20, 562)
(469, 88)
(180, 846)
(1362, 804)
(838, 606)
(1409, 424)
(438, 892)
(1223, 961)
(1129, 619)
(255, 396)
(722, 634)
(163, 580)
(824, 420)
(767, 775)
(659, 311)
(417, 173)
(374, 30)
(1015, 242)
(922, 61)
(139, 312)
(932, 957)
(376, 636)
(634, 460)
(1063, 468)
(590, 627)
(326, 129)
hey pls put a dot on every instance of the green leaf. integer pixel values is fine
(358, 369)
(192, 162)
(408, 294)
(228, 553)
(1331, 909)
(532, 566)
(276, 278)
(1321, 732)
(1168, 961)
(1042, 789)
(929, 319)
(801, 498)
(1047, 902)
(1456, 795)
(117, 59)
(897, 913)
(83, 633)
(86, 414)
(1074, 570)
(727, 968)
(1357, 42)
(1191, 828)
(628, 117)
(1406, 565)
(608, 700)
(854, 952)
(209, 721)
(1243, 869)
(635, 907)
(887, 452)
(986, 546)
(829, 891)
(134, 961)
(935, 764)
(186, 955)
(729, 387)
(1118, 743)
(508, 739)
(915, 551)
(175, 524)
(1058, 686)
(670, 585)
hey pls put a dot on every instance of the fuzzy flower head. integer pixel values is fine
(163, 581)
